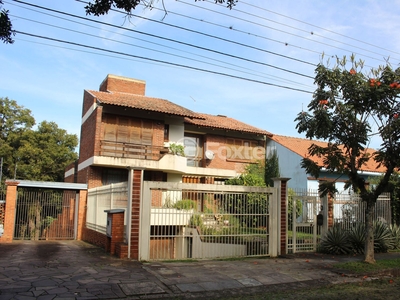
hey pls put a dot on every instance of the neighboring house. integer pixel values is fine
(292, 150)
(122, 128)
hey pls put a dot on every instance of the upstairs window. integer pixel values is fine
(193, 150)
(244, 150)
(128, 130)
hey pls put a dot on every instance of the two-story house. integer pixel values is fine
(123, 128)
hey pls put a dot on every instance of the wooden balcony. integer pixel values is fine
(130, 150)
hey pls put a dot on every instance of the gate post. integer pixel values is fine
(9, 218)
(80, 214)
(325, 214)
(281, 185)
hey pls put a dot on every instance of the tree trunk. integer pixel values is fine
(369, 256)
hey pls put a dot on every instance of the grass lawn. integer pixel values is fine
(362, 267)
(388, 289)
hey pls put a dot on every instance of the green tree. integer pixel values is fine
(271, 168)
(33, 154)
(14, 121)
(45, 152)
(6, 31)
(394, 189)
(95, 7)
(346, 106)
(101, 7)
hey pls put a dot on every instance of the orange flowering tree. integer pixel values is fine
(348, 109)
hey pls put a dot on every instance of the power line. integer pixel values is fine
(279, 30)
(179, 56)
(212, 36)
(163, 62)
(167, 39)
(327, 30)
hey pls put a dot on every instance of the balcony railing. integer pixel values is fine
(130, 150)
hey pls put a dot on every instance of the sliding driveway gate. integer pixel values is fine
(181, 221)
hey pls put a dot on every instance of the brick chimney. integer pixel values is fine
(113, 83)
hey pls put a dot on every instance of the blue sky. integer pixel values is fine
(279, 43)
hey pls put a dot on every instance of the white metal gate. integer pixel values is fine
(308, 216)
(304, 230)
(183, 221)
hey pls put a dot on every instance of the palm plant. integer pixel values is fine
(356, 238)
(383, 239)
(395, 231)
(335, 241)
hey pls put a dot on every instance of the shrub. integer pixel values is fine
(383, 239)
(185, 204)
(340, 241)
(395, 232)
(356, 238)
(335, 241)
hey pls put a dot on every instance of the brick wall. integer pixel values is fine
(2, 212)
(283, 216)
(73, 177)
(94, 237)
(121, 250)
(158, 134)
(117, 231)
(123, 84)
(92, 176)
(217, 144)
(135, 226)
(88, 101)
(91, 135)
(9, 218)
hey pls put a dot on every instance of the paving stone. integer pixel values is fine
(44, 283)
(221, 285)
(190, 287)
(57, 291)
(249, 282)
(141, 288)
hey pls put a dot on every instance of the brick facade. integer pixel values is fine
(283, 216)
(135, 217)
(10, 208)
(218, 144)
(94, 237)
(123, 85)
(117, 230)
(91, 130)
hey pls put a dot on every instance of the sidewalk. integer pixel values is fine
(77, 270)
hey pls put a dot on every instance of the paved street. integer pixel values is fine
(77, 270)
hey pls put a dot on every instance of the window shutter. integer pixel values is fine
(123, 130)
(110, 128)
(135, 131)
(147, 132)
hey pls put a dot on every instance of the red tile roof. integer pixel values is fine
(167, 107)
(300, 146)
(226, 123)
(142, 102)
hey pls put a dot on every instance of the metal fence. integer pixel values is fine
(43, 214)
(214, 223)
(303, 232)
(349, 209)
(104, 198)
(2, 210)
(308, 219)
